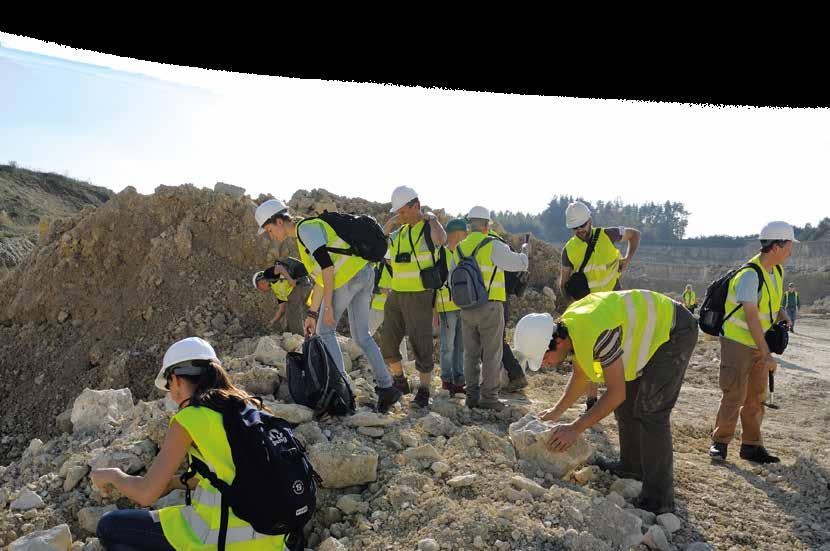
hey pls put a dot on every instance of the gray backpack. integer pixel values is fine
(467, 287)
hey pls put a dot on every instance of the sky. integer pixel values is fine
(118, 122)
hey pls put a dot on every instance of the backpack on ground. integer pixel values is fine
(275, 487)
(315, 381)
(713, 310)
(363, 234)
(467, 287)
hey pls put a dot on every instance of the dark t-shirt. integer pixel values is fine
(614, 234)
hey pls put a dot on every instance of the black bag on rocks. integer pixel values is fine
(314, 380)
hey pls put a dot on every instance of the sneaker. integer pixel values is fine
(458, 389)
(401, 383)
(640, 503)
(495, 405)
(387, 397)
(421, 397)
(718, 451)
(589, 403)
(614, 467)
(757, 454)
(518, 383)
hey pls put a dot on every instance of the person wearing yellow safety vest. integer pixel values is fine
(383, 279)
(689, 298)
(483, 326)
(193, 376)
(291, 292)
(640, 343)
(447, 317)
(745, 358)
(791, 304)
(604, 267)
(342, 283)
(408, 309)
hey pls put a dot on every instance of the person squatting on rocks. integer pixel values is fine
(689, 298)
(791, 304)
(483, 326)
(745, 358)
(194, 378)
(288, 281)
(342, 283)
(383, 282)
(447, 317)
(604, 266)
(640, 343)
(408, 309)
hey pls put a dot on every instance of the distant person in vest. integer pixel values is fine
(483, 326)
(792, 304)
(745, 358)
(288, 281)
(408, 310)
(383, 282)
(689, 298)
(447, 317)
(603, 269)
(341, 283)
(639, 342)
(193, 376)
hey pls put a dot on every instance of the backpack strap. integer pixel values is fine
(591, 246)
(196, 466)
(348, 252)
(484, 242)
(761, 282)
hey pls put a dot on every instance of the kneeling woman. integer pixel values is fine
(639, 342)
(191, 372)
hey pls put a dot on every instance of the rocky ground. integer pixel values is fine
(453, 478)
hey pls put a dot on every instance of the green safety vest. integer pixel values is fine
(495, 283)
(689, 298)
(646, 319)
(196, 526)
(406, 276)
(443, 302)
(379, 299)
(603, 268)
(736, 328)
(345, 266)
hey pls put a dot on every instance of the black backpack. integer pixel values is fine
(577, 285)
(713, 310)
(275, 487)
(314, 380)
(363, 234)
(515, 283)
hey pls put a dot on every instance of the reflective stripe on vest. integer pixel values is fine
(197, 526)
(406, 276)
(603, 268)
(645, 316)
(485, 264)
(345, 266)
(281, 289)
(736, 328)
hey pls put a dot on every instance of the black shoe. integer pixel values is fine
(401, 383)
(718, 451)
(640, 503)
(387, 397)
(471, 402)
(615, 469)
(589, 403)
(757, 454)
(516, 384)
(421, 397)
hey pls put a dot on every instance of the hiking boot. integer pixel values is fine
(401, 383)
(718, 451)
(757, 454)
(471, 402)
(615, 468)
(458, 389)
(495, 405)
(516, 384)
(589, 403)
(387, 397)
(421, 399)
(640, 503)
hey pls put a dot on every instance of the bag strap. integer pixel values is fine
(347, 252)
(591, 246)
(412, 245)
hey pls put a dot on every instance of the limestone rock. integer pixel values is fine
(530, 435)
(627, 487)
(699, 545)
(368, 419)
(523, 483)
(259, 381)
(344, 464)
(352, 503)
(228, 189)
(64, 421)
(88, 517)
(374, 432)
(97, 409)
(74, 475)
(293, 413)
(27, 500)
(428, 544)
(58, 538)
(292, 342)
(268, 352)
(655, 538)
(613, 525)
(462, 481)
(586, 474)
(331, 544)
(669, 522)
(437, 425)
(426, 452)
(440, 468)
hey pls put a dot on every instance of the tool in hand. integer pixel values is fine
(771, 403)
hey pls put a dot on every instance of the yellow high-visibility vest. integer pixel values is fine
(646, 319)
(345, 266)
(735, 328)
(385, 282)
(689, 298)
(281, 289)
(495, 283)
(603, 268)
(406, 276)
(443, 302)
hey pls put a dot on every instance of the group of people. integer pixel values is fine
(637, 342)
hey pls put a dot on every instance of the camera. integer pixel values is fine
(402, 258)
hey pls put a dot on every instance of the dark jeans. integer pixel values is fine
(508, 360)
(131, 530)
(643, 418)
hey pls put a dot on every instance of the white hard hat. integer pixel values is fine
(532, 337)
(576, 214)
(778, 231)
(479, 212)
(401, 196)
(257, 276)
(191, 348)
(266, 210)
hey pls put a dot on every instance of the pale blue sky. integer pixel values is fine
(117, 122)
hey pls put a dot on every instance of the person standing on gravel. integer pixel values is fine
(383, 282)
(640, 343)
(745, 359)
(447, 317)
(288, 281)
(342, 283)
(408, 309)
(792, 304)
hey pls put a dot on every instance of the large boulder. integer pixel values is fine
(612, 524)
(58, 538)
(97, 409)
(268, 352)
(344, 463)
(530, 436)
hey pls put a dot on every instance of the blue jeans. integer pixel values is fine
(131, 530)
(355, 297)
(452, 348)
